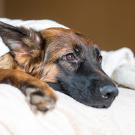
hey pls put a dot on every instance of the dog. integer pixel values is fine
(40, 62)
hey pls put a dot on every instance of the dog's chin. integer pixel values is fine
(99, 103)
(104, 106)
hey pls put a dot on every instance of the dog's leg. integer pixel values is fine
(38, 92)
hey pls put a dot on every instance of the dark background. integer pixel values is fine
(110, 23)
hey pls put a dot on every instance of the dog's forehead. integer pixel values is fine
(61, 41)
(61, 37)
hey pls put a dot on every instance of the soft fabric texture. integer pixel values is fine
(120, 66)
(69, 116)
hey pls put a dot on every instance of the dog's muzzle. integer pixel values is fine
(92, 92)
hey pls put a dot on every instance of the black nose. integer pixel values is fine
(108, 92)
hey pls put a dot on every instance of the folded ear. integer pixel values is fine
(20, 39)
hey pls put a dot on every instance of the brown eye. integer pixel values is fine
(69, 57)
(99, 58)
(98, 55)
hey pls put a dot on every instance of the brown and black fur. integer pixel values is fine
(62, 58)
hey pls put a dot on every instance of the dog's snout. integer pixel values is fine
(108, 92)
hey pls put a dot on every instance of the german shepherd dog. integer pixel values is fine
(40, 62)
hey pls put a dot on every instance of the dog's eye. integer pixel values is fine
(69, 57)
(98, 56)
(77, 51)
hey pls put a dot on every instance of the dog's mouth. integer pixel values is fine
(87, 99)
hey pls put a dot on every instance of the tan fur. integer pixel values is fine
(7, 62)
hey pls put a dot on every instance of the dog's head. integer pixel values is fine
(65, 59)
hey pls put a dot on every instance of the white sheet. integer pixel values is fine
(70, 117)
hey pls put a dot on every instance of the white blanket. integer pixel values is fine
(120, 66)
(70, 117)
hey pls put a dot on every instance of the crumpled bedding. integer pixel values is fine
(120, 66)
(69, 116)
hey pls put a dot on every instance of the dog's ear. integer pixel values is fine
(20, 39)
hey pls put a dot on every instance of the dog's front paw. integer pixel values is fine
(42, 100)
